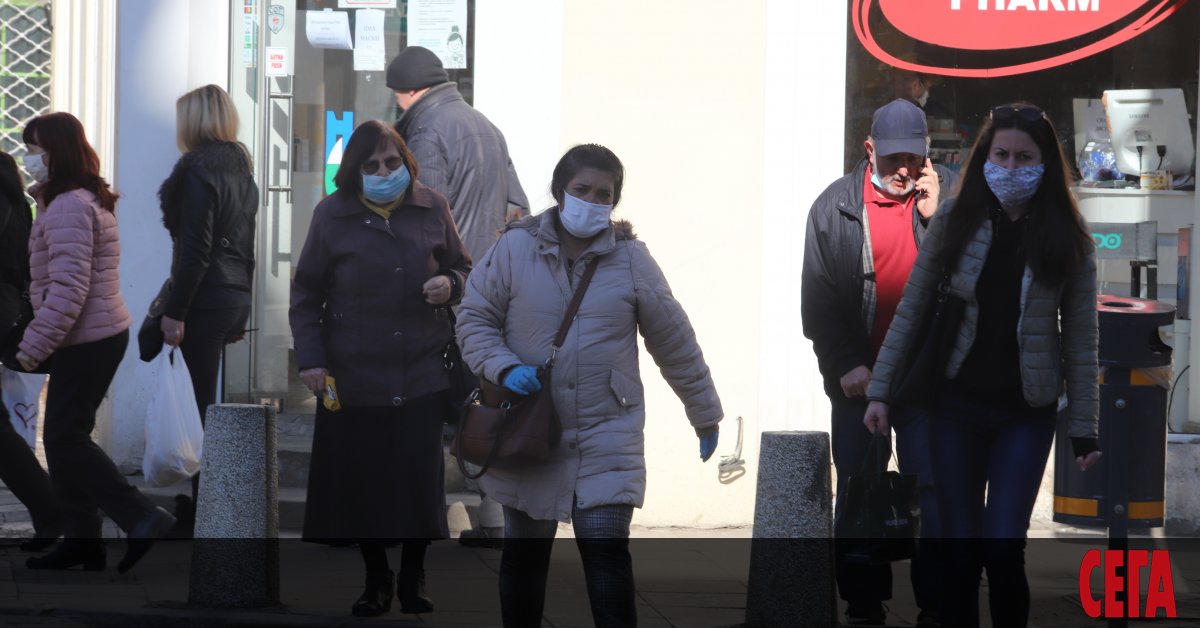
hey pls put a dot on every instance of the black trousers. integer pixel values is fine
(83, 476)
(205, 334)
(24, 476)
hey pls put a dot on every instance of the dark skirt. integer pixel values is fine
(377, 473)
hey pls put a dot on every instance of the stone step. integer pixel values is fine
(461, 507)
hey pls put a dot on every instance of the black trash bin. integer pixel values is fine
(1125, 489)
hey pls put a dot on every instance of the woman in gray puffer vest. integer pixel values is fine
(516, 298)
(1020, 255)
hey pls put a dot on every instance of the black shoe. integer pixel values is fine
(866, 614)
(482, 537)
(142, 536)
(72, 552)
(377, 596)
(410, 589)
(929, 619)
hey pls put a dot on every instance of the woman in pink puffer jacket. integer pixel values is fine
(80, 320)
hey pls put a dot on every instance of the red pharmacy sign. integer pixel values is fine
(989, 25)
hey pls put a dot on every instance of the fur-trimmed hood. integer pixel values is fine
(210, 162)
(545, 226)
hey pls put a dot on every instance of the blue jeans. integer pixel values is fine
(988, 462)
(865, 584)
(602, 535)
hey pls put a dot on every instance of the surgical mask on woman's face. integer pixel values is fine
(581, 218)
(35, 165)
(379, 189)
(1013, 187)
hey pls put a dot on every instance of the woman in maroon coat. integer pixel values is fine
(381, 261)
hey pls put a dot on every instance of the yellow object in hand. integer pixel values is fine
(330, 398)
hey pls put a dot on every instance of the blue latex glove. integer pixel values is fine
(522, 380)
(708, 445)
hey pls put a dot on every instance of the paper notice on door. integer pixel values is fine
(369, 54)
(278, 62)
(441, 26)
(328, 29)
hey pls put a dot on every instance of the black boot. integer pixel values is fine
(185, 518)
(153, 526)
(410, 583)
(377, 595)
(72, 552)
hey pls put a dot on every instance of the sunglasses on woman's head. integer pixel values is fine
(371, 166)
(1029, 113)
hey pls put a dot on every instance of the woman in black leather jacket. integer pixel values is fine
(209, 206)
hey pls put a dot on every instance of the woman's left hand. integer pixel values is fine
(1085, 462)
(172, 331)
(437, 290)
(27, 362)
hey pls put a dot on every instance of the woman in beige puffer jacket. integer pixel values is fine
(516, 298)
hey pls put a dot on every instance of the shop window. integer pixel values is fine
(1165, 56)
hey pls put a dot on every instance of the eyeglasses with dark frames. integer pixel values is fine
(1028, 113)
(371, 166)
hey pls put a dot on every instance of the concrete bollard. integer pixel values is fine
(235, 555)
(791, 555)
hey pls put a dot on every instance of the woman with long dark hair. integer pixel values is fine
(381, 261)
(80, 319)
(1019, 254)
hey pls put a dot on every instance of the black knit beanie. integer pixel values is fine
(414, 68)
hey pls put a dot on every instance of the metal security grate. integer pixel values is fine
(24, 68)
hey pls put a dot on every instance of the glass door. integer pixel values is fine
(303, 74)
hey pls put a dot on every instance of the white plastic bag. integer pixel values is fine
(23, 399)
(174, 436)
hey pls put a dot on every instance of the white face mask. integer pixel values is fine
(36, 166)
(581, 218)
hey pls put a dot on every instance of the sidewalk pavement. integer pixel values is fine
(686, 578)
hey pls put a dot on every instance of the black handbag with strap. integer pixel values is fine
(462, 380)
(499, 427)
(921, 371)
(881, 517)
(150, 336)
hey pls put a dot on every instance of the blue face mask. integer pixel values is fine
(1013, 187)
(384, 190)
(581, 218)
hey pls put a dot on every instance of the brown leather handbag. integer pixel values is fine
(503, 429)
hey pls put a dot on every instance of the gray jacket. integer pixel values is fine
(463, 155)
(515, 300)
(1054, 357)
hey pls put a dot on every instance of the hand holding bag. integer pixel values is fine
(499, 427)
(919, 374)
(174, 435)
(881, 518)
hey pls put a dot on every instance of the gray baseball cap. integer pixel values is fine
(899, 127)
